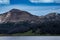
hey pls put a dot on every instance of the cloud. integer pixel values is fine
(45, 1)
(4, 1)
(57, 1)
(42, 1)
(35, 10)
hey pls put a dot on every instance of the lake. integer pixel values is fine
(30, 38)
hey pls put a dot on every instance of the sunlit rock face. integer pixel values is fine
(16, 15)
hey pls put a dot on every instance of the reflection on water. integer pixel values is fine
(31, 38)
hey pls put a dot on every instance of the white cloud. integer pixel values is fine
(57, 1)
(42, 1)
(4, 1)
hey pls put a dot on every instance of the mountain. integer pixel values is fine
(16, 15)
(18, 21)
(50, 23)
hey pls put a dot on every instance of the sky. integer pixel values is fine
(35, 7)
(36, 2)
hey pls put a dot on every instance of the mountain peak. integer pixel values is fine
(16, 15)
(15, 10)
(19, 12)
(52, 14)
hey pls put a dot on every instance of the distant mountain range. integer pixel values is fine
(15, 21)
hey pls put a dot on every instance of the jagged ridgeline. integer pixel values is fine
(18, 21)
